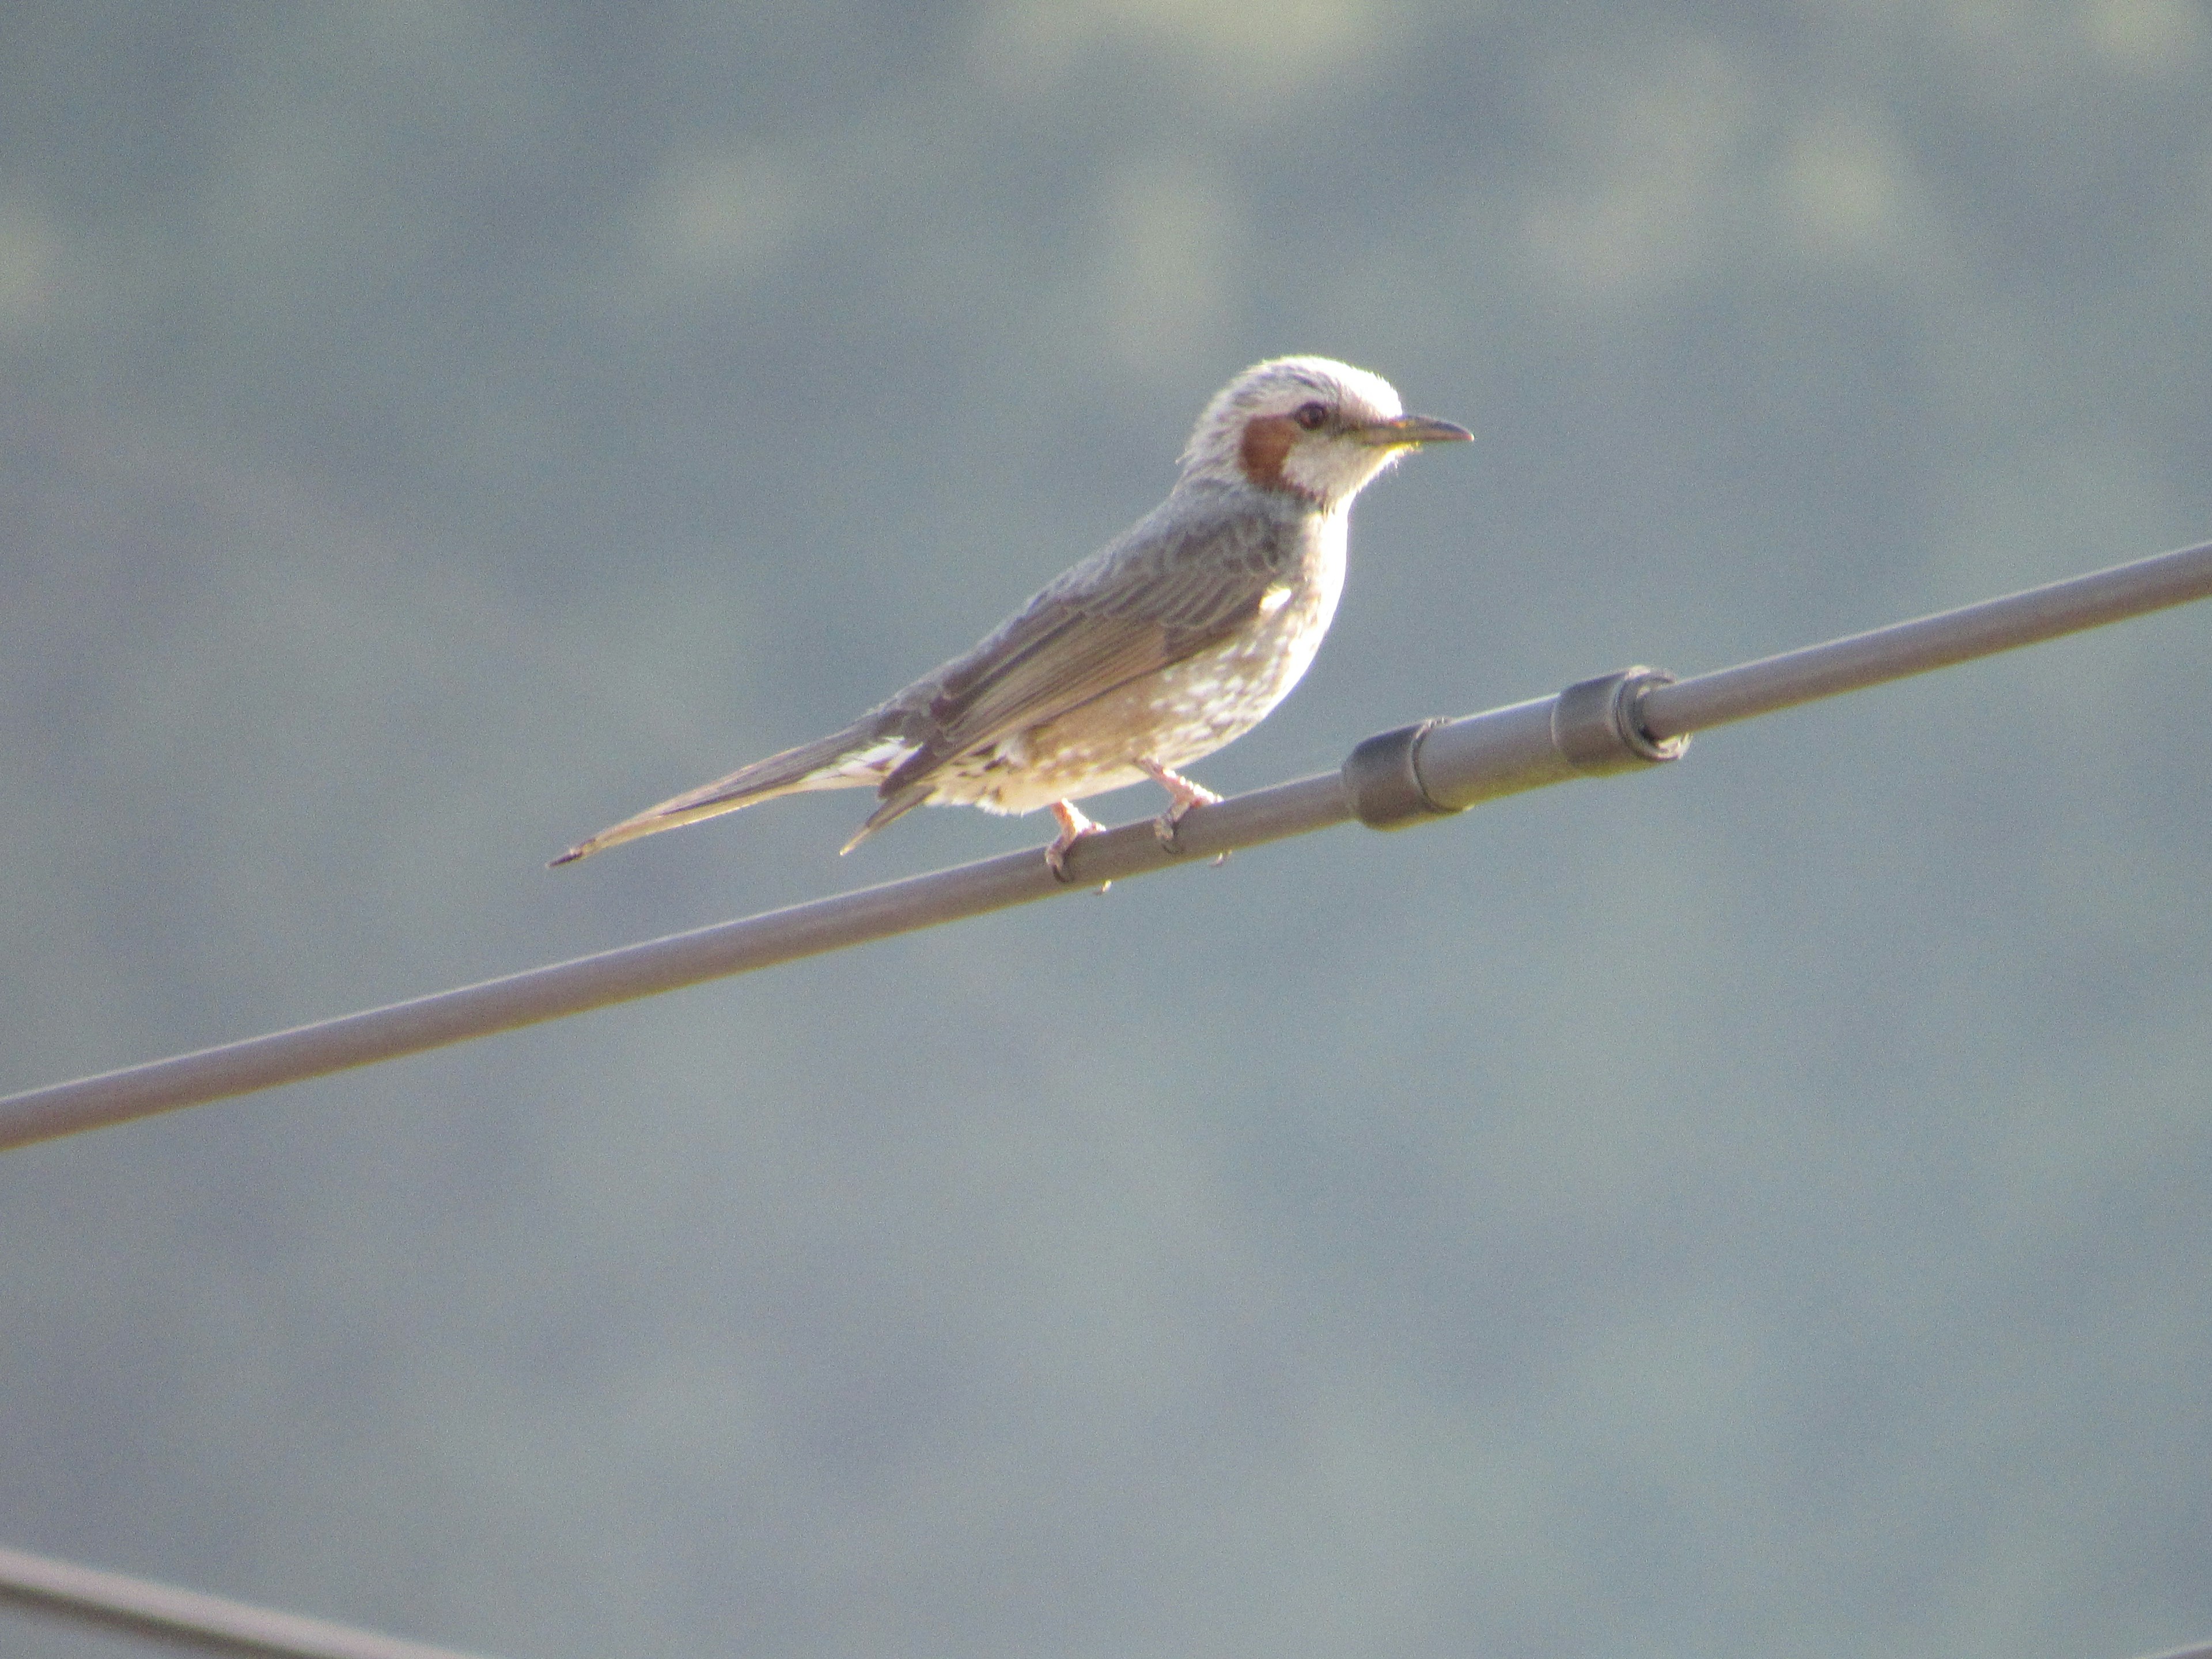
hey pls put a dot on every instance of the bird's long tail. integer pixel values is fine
(863, 754)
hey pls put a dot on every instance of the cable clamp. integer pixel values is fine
(1383, 776)
(1597, 730)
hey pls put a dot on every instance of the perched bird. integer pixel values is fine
(1172, 640)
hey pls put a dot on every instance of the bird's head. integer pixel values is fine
(1307, 428)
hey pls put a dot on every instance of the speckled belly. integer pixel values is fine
(1177, 715)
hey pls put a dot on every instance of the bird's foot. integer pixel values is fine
(1182, 795)
(1073, 826)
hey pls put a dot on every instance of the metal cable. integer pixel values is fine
(1623, 721)
(210, 1624)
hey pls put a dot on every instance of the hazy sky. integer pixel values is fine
(1752, 1209)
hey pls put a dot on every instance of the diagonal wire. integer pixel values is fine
(1440, 766)
(189, 1618)
(1592, 729)
(215, 1623)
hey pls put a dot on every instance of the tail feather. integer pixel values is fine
(860, 755)
(901, 801)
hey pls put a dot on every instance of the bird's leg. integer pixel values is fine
(1182, 795)
(1073, 826)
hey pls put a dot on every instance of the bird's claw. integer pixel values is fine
(1073, 827)
(1055, 859)
(1182, 795)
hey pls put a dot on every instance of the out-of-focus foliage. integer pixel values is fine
(1754, 1208)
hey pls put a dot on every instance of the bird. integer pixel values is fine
(1174, 639)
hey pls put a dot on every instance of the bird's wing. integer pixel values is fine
(1177, 582)
(1162, 592)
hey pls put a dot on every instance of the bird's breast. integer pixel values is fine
(1176, 714)
(1220, 693)
(1189, 708)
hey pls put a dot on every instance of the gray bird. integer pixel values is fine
(1174, 639)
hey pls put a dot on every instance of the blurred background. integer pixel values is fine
(1754, 1208)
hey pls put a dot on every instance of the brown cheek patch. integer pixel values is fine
(1267, 440)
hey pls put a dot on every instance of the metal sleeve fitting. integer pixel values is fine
(1596, 729)
(1589, 730)
(1383, 776)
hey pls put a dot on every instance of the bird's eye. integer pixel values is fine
(1312, 417)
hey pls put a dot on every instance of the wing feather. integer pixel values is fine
(1187, 576)
(1177, 583)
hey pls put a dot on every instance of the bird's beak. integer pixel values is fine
(1407, 430)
